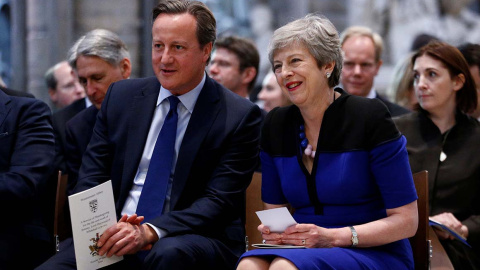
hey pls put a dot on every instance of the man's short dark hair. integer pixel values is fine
(206, 23)
(245, 50)
(471, 52)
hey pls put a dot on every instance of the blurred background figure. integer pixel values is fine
(101, 58)
(234, 64)
(362, 50)
(63, 85)
(444, 140)
(471, 52)
(27, 150)
(402, 85)
(271, 94)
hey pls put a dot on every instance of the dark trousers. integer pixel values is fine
(20, 252)
(461, 256)
(179, 252)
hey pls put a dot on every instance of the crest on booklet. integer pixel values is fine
(93, 205)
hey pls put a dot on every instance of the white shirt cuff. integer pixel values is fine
(160, 233)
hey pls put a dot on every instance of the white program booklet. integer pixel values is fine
(278, 220)
(92, 211)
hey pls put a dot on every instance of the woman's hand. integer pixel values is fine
(308, 235)
(449, 220)
(270, 237)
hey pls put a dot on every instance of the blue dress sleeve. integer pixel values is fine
(391, 169)
(271, 185)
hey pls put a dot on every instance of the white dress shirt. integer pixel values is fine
(184, 109)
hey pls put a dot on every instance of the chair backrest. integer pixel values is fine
(60, 228)
(253, 203)
(420, 241)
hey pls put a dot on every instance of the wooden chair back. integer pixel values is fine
(253, 203)
(60, 228)
(420, 241)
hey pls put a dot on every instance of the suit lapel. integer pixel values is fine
(203, 116)
(139, 121)
(4, 107)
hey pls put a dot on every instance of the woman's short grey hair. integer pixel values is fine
(101, 43)
(318, 35)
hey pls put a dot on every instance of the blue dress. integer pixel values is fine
(360, 169)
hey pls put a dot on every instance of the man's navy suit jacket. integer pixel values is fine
(78, 133)
(215, 163)
(59, 122)
(27, 150)
(394, 109)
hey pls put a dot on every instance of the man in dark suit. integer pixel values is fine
(362, 50)
(15, 93)
(26, 158)
(59, 121)
(471, 52)
(63, 85)
(98, 54)
(215, 153)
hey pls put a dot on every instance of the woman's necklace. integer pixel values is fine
(443, 156)
(307, 148)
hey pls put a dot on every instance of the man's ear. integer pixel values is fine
(378, 66)
(248, 74)
(207, 50)
(53, 95)
(126, 68)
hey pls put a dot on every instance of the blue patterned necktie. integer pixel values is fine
(152, 198)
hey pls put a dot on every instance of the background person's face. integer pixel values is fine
(225, 69)
(68, 88)
(96, 75)
(359, 65)
(434, 87)
(271, 94)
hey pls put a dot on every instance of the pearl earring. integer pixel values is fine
(328, 74)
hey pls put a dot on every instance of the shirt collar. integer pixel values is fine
(88, 103)
(188, 99)
(372, 94)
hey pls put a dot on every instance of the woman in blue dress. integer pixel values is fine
(336, 160)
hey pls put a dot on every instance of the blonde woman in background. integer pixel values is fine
(402, 85)
(271, 93)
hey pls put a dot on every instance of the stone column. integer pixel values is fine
(120, 16)
(48, 37)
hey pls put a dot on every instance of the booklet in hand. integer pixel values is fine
(278, 220)
(92, 212)
(444, 228)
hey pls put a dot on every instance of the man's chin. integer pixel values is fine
(357, 92)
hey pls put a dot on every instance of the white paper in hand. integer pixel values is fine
(277, 219)
(92, 211)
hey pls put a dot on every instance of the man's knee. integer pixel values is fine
(170, 251)
(65, 259)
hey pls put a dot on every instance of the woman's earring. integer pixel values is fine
(328, 74)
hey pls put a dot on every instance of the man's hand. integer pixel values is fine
(126, 237)
(134, 219)
(449, 220)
